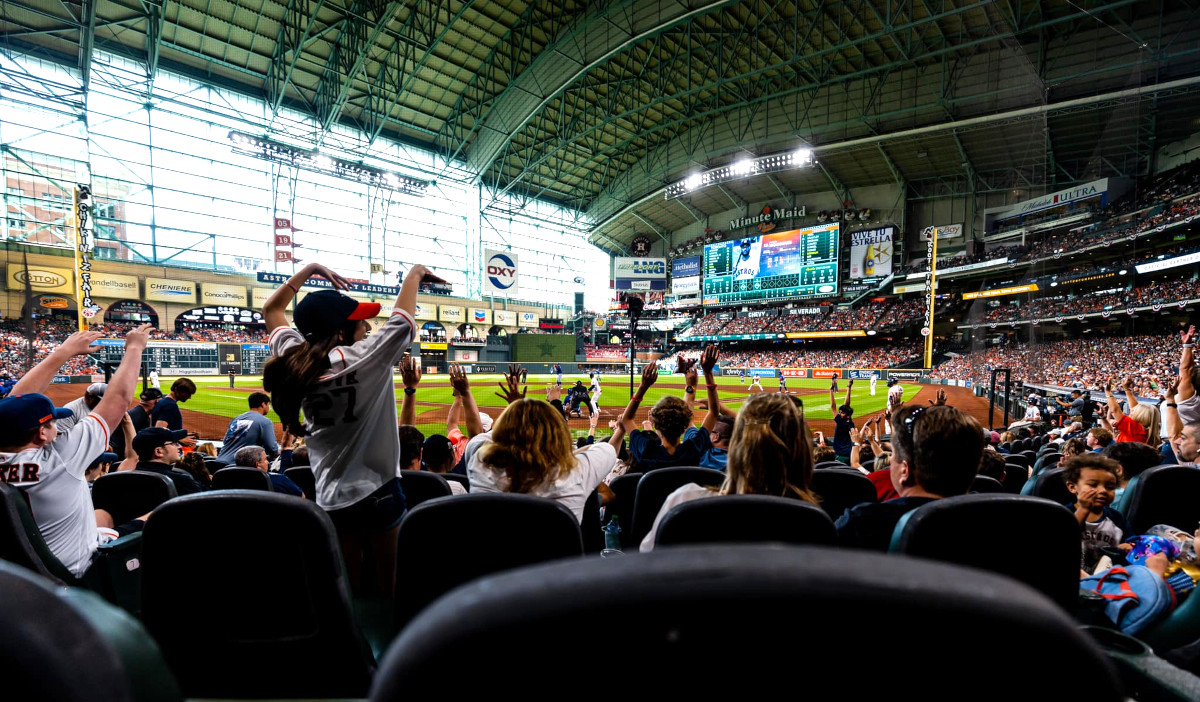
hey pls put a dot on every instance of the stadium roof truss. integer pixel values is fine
(597, 105)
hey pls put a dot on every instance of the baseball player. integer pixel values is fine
(895, 391)
(782, 382)
(755, 381)
(594, 392)
(50, 468)
(342, 379)
(558, 373)
(154, 380)
(747, 265)
(874, 380)
(742, 375)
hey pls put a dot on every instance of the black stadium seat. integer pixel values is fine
(246, 594)
(994, 532)
(1017, 459)
(241, 478)
(1049, 484)
(1162, 495)
(1049, 459)
(422, 485)
(656, 486)
(21, 542)
(589, 526)
(840, 490)
(445, 543)
(458, 478)
(624, 487)
(304, 479)
(783, 606)
(745, 519)
(836, 465)
(130, 494)
(984, 484)
(66, 644)
(1014, 478)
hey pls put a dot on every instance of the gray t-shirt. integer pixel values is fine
(248, 429)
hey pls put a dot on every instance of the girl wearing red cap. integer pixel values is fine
(343, 381)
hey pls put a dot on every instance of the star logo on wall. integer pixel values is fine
(547, 349)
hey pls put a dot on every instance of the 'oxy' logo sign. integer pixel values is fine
(502, 272)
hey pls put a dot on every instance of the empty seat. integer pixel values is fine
(745, 519)
(984, 484)
(654, 488)
(445, 543)
(261, 609)
(679, 607)
(589, 526)
(1049, 459)
(840, 490)
(303, 477)
(1017, 459)
(241, 478)
(130, 494)
(837, 465)
(1162, 495)
(624, 489)
(1014, 478)
(67, 644)
(422, 485)
(1049, 484)
(993, 532)
(458, 478)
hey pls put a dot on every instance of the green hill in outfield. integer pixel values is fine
(434, 397)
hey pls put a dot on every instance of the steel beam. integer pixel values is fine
(365, 24)
(299, 19)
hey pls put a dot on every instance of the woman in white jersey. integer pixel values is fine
(342, 379)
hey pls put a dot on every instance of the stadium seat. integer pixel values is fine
(984, 484)
(1049, 459)
(213, 465)
(1162, 495)
(422, 485)
(625, 489)
(840, 490)
(656, 486)
(1047, 448)
(677, 607)
(67, 644)
(993, 532)
(458, 478)
(1005, 446)
(1017, 459)
(745, 519)
(1049, 485)
(589, 526)
(1014, 478)
(303, 477)
(1031, 455)
(21, 541)
(130, 494)
(835, 465)
(241, 478)
(445, 543)
(263, 611)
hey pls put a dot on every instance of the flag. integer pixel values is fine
(281, 256)
(283, 239)
(283, 223)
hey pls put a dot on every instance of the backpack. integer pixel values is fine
(1136, 596)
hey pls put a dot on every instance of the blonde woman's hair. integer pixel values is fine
(770, 452)
(1147, 416)
(531, 445)
(208, 449)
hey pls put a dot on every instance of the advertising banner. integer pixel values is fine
(827, 373)
(500, 272)
(42, 279)
(997, 292)
(826, 334)
(527, 319)
(479, 315)
(904, 375)
(686, 286)
(945, 231)
(871, 253)
(259, 296)
(164, 290)
(505, 318)
(685, 267)
(794, 372)
(450, 313)
(218, 294)
(639, 268)
(115, 286)
(762, 372)
(861, 374)
(425, 312)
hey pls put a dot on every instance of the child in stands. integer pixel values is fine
(1093, 480)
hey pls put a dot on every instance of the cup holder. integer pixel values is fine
(1115, 641)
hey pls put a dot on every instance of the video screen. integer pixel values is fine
(799, 263)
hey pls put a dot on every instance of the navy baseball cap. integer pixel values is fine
(30, 411)
(325, 311)
(149, 439)
(106, 457)
(151, 394)
(436, 450)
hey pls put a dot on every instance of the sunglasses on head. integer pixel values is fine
(911, 419)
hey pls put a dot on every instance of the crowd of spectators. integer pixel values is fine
(882, 356)
(1162, 293)
(1087, 363)
(47, 335)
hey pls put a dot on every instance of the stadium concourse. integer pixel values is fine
(349, 347)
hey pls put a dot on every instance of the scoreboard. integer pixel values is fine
(795, 264)
(191, 357)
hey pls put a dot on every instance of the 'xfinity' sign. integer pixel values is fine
(499, 272)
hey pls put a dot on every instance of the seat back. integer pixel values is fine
(1017, 459)
(68, 644)
(303, 477)
(678, 606)
(840, 490)
(422, 485)
(458, 478)
(1162, 495)
(624, 489)
(445, 543)
(654, 488)
(993, 532)
(265, 596)
(984, 484)
(1047, 460)
(745, 519)
(21, 541)
(130, 494)
(241, 478)
(836, 465)
(1049, 485)
(589, 525)
(1014, 478)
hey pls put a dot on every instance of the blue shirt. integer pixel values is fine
(841, 434)
(648, 453)
(167, 410)
(285, 485)
(248, 429)
(870, 525)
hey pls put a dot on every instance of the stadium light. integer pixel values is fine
(741, 168)
(278, 152)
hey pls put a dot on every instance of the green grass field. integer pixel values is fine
(434, 397)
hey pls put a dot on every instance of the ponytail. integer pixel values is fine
(290, 377)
